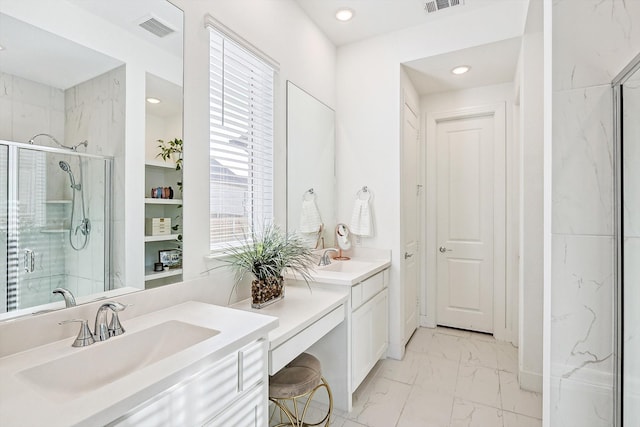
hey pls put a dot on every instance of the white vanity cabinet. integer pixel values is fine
(231, 392)
(369, 325)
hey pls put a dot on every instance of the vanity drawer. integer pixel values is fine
(189, 403)
(288, 350)
(251, 365)
(205, 394)
(356, 296)
(371, 286)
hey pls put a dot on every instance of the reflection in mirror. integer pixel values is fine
(310, 167)
(64, 130)
(630, 245)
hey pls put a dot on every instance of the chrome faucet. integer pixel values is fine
(324, 259)
(69, 299)
(102, 331)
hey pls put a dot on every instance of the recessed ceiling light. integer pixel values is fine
(1, 47)
(461, 69)
(344, 15)
(153, 100)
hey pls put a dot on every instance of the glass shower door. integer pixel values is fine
(630, 248)
(56, 225)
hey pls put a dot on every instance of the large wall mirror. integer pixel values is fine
(311, 212)
(75, 131)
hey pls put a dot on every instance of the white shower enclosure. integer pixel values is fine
(55, 216)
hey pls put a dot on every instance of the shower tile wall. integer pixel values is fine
(25, 103)
(583, 244)
(95, 111)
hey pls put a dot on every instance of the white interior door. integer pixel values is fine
(410, 195)
(465, 223)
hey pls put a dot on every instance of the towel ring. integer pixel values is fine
(309, 195)
(364, 191)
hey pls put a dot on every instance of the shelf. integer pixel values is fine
(162, 238)
(153, 275)
(58, 202)
(161, 164)
(150, 201)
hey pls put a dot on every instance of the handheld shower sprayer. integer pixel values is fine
(65, 167)
(84, 227)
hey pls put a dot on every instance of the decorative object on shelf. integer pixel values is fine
(158, 266)
(172, 150)
(168, 149)
(171, 258)
(162, 193)
(157, 226)
(265, 255)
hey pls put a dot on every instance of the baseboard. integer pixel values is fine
(427, 322)
(531, 381)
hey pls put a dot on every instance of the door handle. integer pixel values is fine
(442, 249)
(407, 255)
(29, 261)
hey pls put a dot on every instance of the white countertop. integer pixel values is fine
(300, 308)
(22, 404)
(367, 267)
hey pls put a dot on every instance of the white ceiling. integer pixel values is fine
(491, 64)
(376, 17)
(43, 57)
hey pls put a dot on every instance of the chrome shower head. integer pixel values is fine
(65, 167)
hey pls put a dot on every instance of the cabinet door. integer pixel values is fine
(249, 411)
(360, 343)
(380, 325)
(369, 332)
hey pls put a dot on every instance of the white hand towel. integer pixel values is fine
(310, 220)
(361, 218)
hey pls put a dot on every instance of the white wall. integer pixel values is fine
(306, 57)
(367, 104)
(583, 241)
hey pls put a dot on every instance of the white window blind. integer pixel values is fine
(240, 142)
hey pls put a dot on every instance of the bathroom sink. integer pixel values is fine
(348, 266)
(92, 367)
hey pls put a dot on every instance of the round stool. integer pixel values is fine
(300, 378)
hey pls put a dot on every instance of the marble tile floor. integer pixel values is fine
(448, 378)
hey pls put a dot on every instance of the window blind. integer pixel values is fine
(240, 141)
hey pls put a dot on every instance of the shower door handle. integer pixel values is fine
(29, 261)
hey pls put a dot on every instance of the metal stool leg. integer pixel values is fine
(297, 420)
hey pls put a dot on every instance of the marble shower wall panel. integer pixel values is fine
(28, 108)
(593, 40)
(574, 405)
(583, 193)
(582, 314)
(95, 111)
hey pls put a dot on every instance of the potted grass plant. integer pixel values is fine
(265, 256)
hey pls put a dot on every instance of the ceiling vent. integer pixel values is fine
(155, 27)
(436, 5)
